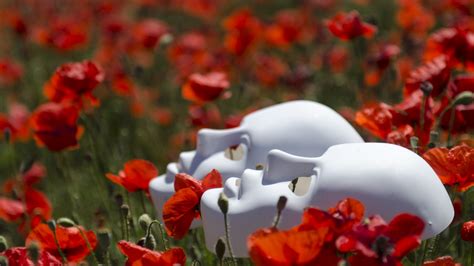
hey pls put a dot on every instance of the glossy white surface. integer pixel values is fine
(388, 179)
(302, 128)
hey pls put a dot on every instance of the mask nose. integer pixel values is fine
(185, 160)
(231, 187)
(251, 179)
(282, 166)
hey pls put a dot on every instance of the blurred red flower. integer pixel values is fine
(414, 18)
(137, 255)
(11, 210)
(148, 33)
(181, 209)
(467, 231)
(243, 32)
(55, 126)
(376, 242)
(18, 256)
(290, 26)
(16, 121)
(62, 34)
(74, 82)
(270, 70)
(442, 261)
(205, 88)
(347, 26)
(455, 43)
(454, 166)
(10, 72)
(135, 176)
(70, 241)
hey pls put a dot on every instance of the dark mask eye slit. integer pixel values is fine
(234, 153)
(300, 185)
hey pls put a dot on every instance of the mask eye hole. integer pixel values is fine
(300, 185)
(234, 153)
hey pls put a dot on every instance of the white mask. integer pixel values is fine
(386, 178)
(302, 128)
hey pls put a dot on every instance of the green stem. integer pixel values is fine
(142, 201)
(163, 239)
(88, 245)
(227, 240)
(451, 124)
(61, 253)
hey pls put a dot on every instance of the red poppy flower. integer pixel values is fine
(467, 231)
(55, 126)
(376, 242)
(205, 88)
(63, 35)
(269, 70)
(463, 114)
(18, 256)
(70, 240)
(205, 116)
(377, 118)
(243, 32)
(148, 33)
(38, 206)
(74, 83)
(347, 26)
(436, 71)
(290, 26)
(16, 121)
(414, 18)
(454, 166)
(378, 62)
(442, 261)
(181, 209)
(137, 255)
(401, 136)
(10, 72)
(455, 43)
(135, 176)
(11, 210)
(292, 247)
(337, 59)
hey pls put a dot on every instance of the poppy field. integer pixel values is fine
(98, 96)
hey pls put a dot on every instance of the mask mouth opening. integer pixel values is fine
(235, 152)
(299, 186)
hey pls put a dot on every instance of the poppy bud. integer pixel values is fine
(220, 249)
(144, 221)
(52, 225)
(125, 210)
(3, 244)
(281, 203)
(414, 143)
(141, 242)
(166, 39)
(464, 98)
(426, 87)
(223, 203)
(259, 166)
(3, 261)
(150, 242)
(33, 252)
(66, 222)
(467, 231)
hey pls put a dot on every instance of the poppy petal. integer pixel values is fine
(179, 212)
